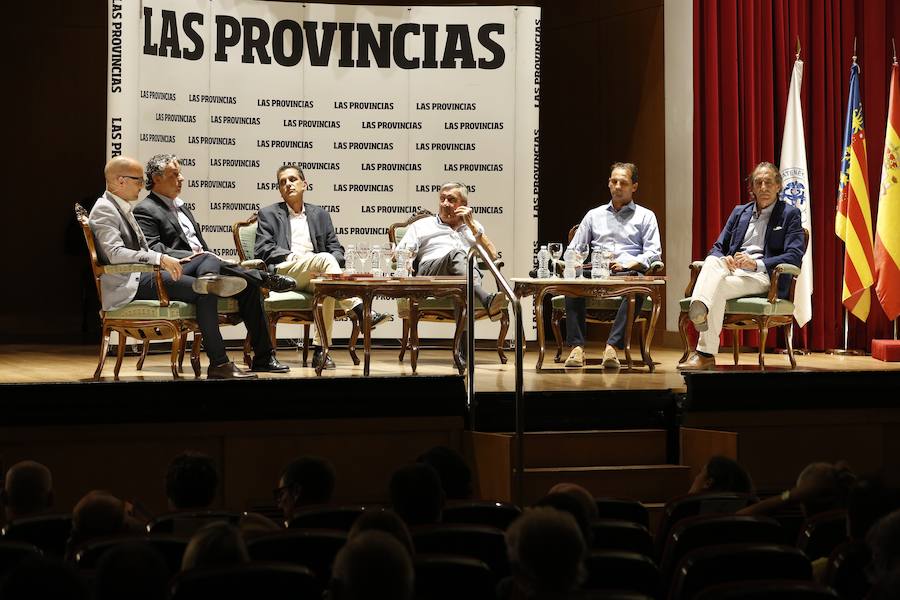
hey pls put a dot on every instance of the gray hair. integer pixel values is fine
(463, 190)
(156, 166)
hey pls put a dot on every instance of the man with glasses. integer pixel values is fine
(757, 236)
(194, 280)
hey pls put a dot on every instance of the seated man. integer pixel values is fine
(191, 482)
(170, 228)
(307, 481)
(632, 233)
(442, 243)
(758, 236)
(120, 240)
(297, 239)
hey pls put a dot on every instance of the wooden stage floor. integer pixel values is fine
(48, 364)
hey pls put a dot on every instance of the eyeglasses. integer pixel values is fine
(132, 177)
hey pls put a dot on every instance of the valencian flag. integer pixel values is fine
(853, 221)
(887, 232)
(796, 189)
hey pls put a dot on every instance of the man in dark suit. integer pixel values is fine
(758, 236)
(297, 239)
(170, 229)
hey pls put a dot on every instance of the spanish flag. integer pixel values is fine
(853, 221)
(887, 232)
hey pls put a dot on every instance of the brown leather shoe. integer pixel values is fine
(698, 362)
(228, 371)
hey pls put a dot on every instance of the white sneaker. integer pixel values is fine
(576, 358)
(611, 359)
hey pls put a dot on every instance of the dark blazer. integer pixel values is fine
(273, 236)
(162, 229)
(784, 241)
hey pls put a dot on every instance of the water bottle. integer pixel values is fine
(569, 261)
(377, 271)
(543, 258)
(599, 265)
(402, 263)
(350, 260)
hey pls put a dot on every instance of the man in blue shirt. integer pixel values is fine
(632, 234)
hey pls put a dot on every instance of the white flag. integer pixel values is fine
(796, 189)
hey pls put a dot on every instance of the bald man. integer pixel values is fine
(194, 279)
(27, 490)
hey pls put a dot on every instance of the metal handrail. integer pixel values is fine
(518, 477)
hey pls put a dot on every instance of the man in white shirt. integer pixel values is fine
(297, 239)
(442, 243)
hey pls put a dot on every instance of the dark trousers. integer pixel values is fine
(250, 304)
(454, 263)
(576, 320)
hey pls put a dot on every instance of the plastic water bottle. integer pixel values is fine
(543, 258)
(599, 265)
(569, 261)
(402, 263)
(377, 271)
(350, 260)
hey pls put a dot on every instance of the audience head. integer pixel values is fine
(97, 514)
(380, 519)
(416, 494)
(191, 481)
(306, 481)
(546, 552)
(829, 484)
(581, 494)
(451, 467)
(40, 577)
(883, 540)
(27, 489)
(372, 566)
(722, 474)
(218, 544)
(133, 570)
(571, 504)
(867, 502)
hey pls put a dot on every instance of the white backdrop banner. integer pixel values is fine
(378, 104)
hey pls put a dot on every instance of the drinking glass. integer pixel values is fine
(364, 251)
(581, 252)
(555, 249)
(377, 271)
(350, 260)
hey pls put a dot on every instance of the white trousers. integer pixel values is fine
(715, 285)
(306, 268)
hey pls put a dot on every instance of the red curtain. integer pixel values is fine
(743, 55)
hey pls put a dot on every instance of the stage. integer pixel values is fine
(775, 421)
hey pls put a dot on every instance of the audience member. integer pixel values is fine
(307, 481)
(99, 514)
(546, 554)
(27, 490)
(132, 570)
(569, 503)
(884, 544)
(722, 474)
(386, 520)
(191, 482)
(39, 577)
(821, 486)
(581, 494)
(416, 494)
(372, 566)
(215, 545)
(451, 467)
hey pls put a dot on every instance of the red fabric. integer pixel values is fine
(743, 55)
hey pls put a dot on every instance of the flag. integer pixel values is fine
(887, 229)
(795, 189)
(853, 221)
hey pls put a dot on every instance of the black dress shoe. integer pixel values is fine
(377, 317)
(317, 360)
(228, 371)
(269, 365)
(278, 283)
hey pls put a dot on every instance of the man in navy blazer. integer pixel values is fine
(757, 236)
(297, 239)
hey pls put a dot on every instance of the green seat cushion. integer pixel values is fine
(751, 305)
(151, 310)
(247, 235)
(228, 305)
(281, 301)
(611, 303)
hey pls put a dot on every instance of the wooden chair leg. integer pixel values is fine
(504, 327)
(120, 354)
(247, 360)
(557, 332)
(789, 342)
(195, 353)
(104, 348)
(735, 345)
(645, 351)
(405, 339)
(144, 351)
(177, 350)
(683, 321)
(354, 338)
(305, 343)
(183, 347)
(763, 334)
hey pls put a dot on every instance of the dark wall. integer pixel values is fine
(602, 100)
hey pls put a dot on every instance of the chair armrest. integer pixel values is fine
(695, 272)
(254, 263)
(655, 267)
(130, 268)
(777, 272)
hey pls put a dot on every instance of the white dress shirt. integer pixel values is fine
(301, 243)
